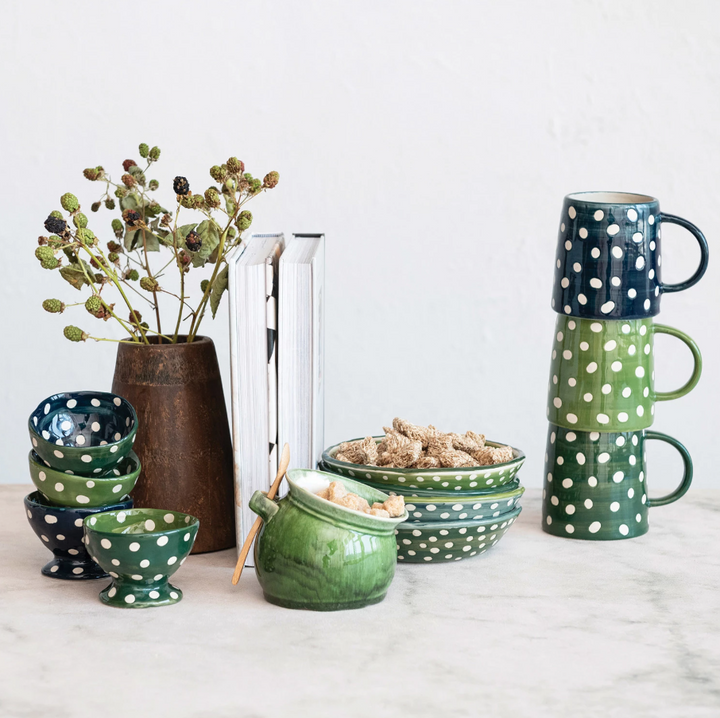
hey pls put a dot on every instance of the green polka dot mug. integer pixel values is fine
(596, 483)
(602, 375)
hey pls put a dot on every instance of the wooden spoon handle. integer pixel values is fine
(282, 468)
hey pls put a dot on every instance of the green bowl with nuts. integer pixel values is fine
(444, 481)
(68, 489)
(439, 542)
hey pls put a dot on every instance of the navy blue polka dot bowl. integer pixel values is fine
(609, 258)
(83, 432)
(60, 528)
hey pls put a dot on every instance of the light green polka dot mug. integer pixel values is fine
(602, 375)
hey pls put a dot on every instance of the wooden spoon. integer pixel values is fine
(282, 468)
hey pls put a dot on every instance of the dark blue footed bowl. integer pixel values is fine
(61, 531)
(608, 261)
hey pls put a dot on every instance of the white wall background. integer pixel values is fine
(431, 141)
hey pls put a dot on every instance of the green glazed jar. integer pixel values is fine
(316, 555)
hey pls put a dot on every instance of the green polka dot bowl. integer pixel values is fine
(85, 432)
(438, 542)
(69, 489)
(436, 480)
(140, 549)
(459, 508)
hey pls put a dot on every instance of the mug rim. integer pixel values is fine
(610, 197)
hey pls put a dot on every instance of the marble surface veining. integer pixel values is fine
(539, 626)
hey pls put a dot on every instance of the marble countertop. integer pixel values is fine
(539, 626)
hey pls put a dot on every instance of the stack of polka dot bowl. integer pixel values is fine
(601, 397)
(81, 464)
(453, 513)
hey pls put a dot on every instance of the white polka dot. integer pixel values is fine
(95, 426)
(558, 264)
(591, 367)
(121, 517)
(594, 527)
(50, 519)
(607, 307)
(626, 392)
(616, 366)
(592, 481)
(136, 577)
(130, 598)
(71, 403)
(59, 454)
(78, 522)
(594, 252)
(572, 212)
(577, 267)
(568, 245)
(588, 503)
(46, 435)
(572, 381)
(632, 460)
(570, 436)
(77, 570)
(614, 506)
(186, 537)
(86, 458)
(603, 419)
(583, 233)
(612, 230)
(172, 560)
(584, 346)
(117, 489)
(560, 461)
(164, 539)
(618, 476)
(59, 487)
(603, 458)
(567, 354)
(620, 441)
(564, 282)
(557, 402)
(571, 324)
(588, 397)
(570, 528)
(640, 410)
(570, 509)
(606, 388)
(95, 402)
(81, 499)
(567, 483)
(567, 309)
(651, 219)
(652, 249)
(639, 372)
(632, 215)
(42, 476)
(646, 305)
(632, 293)
(149, 525)
(134, 546)
(599, 214)
(117, 436)
(640, 262)
(631, 350)
(638, 517)
(555, 379)
(113, 449)
(582, 299)
(623, 529)
(549, 478)
(596, 283)
(631, 493)
(615, 281)
(174, 595)
(572, 418)
(554, 500)
(651, 274)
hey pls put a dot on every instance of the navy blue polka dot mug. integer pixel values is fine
(608, 257)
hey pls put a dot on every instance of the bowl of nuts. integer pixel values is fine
(409, 456)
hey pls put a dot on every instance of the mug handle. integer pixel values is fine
(704, 253)
(697, 359)
(687, 476)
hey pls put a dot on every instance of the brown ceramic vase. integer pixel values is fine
(183, 439)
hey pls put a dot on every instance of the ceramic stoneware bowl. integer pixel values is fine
(437, 480)
(317, 555)
(459, 508)
(140, 549)
(407, 492)
(439, 542)
(60, 528)
(85, 432)
(67, 489)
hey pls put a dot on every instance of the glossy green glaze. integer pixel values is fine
(596, 483)
(602, 376)
(85, 432)
(316, 555)
(439, 480)
(67, 489)
(441, 542)
(140, 549)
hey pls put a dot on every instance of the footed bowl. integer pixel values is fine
(140, 549)
(446, 481)
(85, 432)
(60, 528)
(438, 542)
(68, 489)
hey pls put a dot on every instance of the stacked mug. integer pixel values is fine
(82, 464)
(601, 398)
